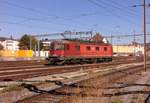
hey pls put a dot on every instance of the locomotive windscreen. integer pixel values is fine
(57, 46)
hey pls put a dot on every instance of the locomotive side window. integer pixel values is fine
(77, 48)
(97, 48)
(88, 48)
(67, 46)
(105, 48)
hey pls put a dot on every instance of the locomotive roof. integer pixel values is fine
(81, 41)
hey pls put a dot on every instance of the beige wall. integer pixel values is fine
(127, 49)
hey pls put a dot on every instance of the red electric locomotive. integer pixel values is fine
(77, 51)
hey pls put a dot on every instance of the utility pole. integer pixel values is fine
(39, 48)
(35, 50)
(30, 42)
(111, 39)
(144, 8)
(144, 29)
(134, 42)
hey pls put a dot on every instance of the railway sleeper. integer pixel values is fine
(7, 79)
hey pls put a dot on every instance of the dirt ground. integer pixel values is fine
(130, 89)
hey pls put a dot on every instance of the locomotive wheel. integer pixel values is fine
(95, 61)
(60, 63)
(82, 62)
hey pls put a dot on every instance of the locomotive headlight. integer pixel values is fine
(55, 55)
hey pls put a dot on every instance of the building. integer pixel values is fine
(46, 43)
(148, 45)
(9, 44)
(137, 49)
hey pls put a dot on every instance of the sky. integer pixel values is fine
(108, 17)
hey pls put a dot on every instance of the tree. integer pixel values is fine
(41, 45)
(1, 47)
(98, 38)
(26, 41)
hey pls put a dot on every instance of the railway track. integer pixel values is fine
(11, 74)
(20, 63)
(36, 62)
(25, 70)
(67, 90)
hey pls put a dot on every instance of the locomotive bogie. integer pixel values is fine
(67, 60)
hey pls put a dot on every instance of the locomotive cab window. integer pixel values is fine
(105, 48)
(88, 48)
(59, 46)
(97, 48)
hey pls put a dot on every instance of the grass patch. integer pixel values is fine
(12, 88)
(116, 100)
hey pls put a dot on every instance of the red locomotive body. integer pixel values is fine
(69, 51)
